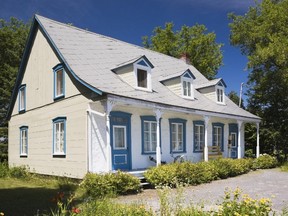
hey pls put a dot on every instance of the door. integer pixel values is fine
(120, 140)
(234, 146)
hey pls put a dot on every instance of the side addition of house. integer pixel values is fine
(84, 102)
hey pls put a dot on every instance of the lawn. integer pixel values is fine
(27, 197)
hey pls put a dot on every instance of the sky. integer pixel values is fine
(130, 20)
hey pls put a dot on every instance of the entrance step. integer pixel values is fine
(140, 175)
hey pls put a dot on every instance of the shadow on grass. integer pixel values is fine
(27, 201)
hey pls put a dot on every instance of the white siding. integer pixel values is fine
(127, 75)
(174, 85)
(141, 161)
(209, 93)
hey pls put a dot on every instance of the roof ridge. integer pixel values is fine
(120, 41)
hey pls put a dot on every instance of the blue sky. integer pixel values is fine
(129, 20)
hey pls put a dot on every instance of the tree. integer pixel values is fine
(194, 42)
(262, 35)
(13, 35)
(235, 98)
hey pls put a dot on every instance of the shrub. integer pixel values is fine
(107, 207)
(237, 204)
(164, 175)
(265, 161)
(101, 185)
(4, 170)
(19, 172)
(284, 167)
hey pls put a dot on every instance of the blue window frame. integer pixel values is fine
(177, 135)
(149, 134)
(218, 135)
(59, 82)
(22, 98)
(59, 136)
(23, 141)
(199, 135)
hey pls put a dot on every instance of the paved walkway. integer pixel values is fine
(271, 183)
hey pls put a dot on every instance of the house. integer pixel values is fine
(84, 102)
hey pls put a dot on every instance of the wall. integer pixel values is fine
(140, 161)
(40, 110)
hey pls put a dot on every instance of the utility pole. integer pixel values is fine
(240, 96)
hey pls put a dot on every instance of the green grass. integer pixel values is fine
(284, 167)
(28, 196)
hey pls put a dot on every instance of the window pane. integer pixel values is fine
(119, 138)
(142, 78)
(59, 82)
(22, 99)
(184, 88)
(189, 89)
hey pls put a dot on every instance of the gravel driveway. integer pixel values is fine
(271, 183)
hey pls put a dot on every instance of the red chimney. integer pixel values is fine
(185, 57)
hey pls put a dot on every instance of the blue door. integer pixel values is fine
(234, 147)
(120, 130)
(233, 140)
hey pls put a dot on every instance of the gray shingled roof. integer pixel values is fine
(92, 57)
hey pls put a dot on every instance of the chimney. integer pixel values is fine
(185, 57)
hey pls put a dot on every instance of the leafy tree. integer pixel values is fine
(262, 35)
(194, 42)
(235, 98)
(13, 35)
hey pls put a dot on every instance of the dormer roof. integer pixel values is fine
(184, 73)
(141, 60)
(210, 83)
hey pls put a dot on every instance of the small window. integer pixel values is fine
(220, 95)
(59, 136)
(59, 82)
(218, 135)
(177, 135)
(142, 78)
(187, 86)
(23, 141)
(119, 137)
(199, 136)
(22, 98)
(142, 70)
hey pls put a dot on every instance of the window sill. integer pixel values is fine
(198, 151)
(178, 152)
(59, 155)
(23, 156)
(148, 153)
(188, 98)
(221, 103)
(143, 89)
(22, 111)
(59, 97)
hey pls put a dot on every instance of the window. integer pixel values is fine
(177, 135)
(22, 98)
(218, 134)
(149, 134)
(59, 136)
(23, 141)
(220, 96)
(187, 87)
(59, 82)
(141, 78)
(142, 70)
(119, 137)
(199, 136)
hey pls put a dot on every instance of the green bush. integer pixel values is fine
(237, 204)
(265, 161)
(19, 172)
(164, 175)
(101, 185)
(4, 170)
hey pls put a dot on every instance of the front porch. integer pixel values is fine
(123, 133)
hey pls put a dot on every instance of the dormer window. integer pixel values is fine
(220, 96)
(187, 86)
(142, 71)
(141, 78)
(59, 82)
